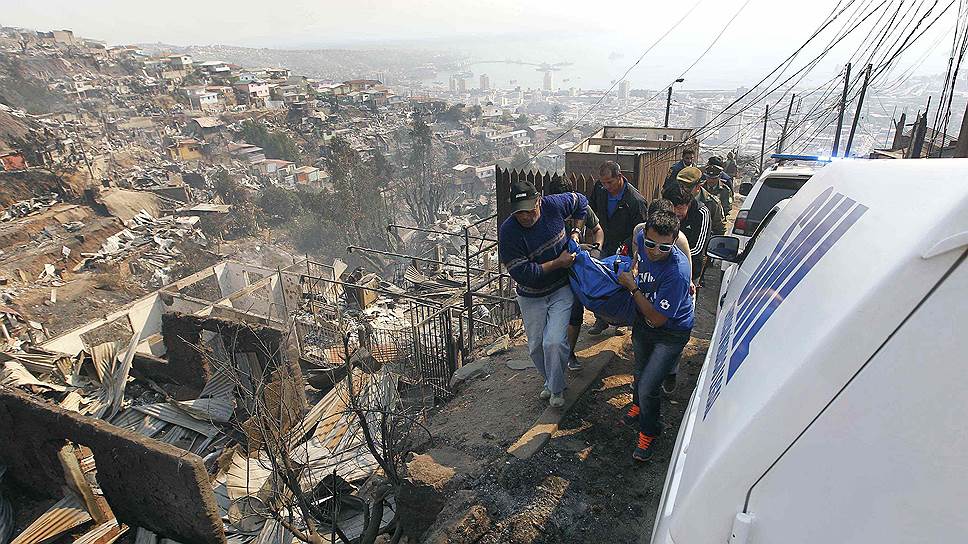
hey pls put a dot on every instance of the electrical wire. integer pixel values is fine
(615, 83)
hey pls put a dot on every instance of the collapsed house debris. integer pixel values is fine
(208, 371)
(153, 239)
(25, 208)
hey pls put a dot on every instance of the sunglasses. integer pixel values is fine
(652, 244)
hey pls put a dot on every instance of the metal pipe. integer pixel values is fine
(432, 231)
(349, 249)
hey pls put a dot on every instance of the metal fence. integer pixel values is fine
(421, 348)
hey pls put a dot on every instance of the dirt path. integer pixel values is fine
(583, 486)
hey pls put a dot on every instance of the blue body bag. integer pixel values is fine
(595, 283)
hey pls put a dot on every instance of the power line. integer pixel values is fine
(616, 82)
(695, 62)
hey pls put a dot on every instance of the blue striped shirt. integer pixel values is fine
(523, 250)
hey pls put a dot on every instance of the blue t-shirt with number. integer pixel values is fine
(666, 284)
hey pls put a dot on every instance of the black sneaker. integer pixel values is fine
(669, 384)
(574, 364)
(643, 448)
(598, 328)
(631, 416)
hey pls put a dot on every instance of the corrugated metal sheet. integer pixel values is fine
(247, 477)
(171, 414)
(144, 536)
(14, 374)
(222, 383)
(216, 409)
(64, 515)
(273, 532)
(41, 363)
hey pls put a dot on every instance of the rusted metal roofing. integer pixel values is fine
(64, 515)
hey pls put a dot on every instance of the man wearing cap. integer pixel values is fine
(714, 185)
(619, 207)
(694, 218)
(533, 246)
(717, 217)
(721, 164)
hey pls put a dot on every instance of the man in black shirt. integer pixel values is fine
(619, 207)
(694, 220)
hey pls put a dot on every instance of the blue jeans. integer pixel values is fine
(656, 352)
(546, 324)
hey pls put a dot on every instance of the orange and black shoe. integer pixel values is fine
(643, 449)
(631, 417)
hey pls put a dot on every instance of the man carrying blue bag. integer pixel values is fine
(533, 246)
(661, 291)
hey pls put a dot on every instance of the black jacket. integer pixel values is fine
(631, 211)
(696, 227)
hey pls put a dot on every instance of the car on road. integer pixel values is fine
(776, 184)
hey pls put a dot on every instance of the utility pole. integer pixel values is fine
(840, 117)
(668, 106)
(669, 101)
(961, 149)
(766, 117)
(860, 104)
(779, 146)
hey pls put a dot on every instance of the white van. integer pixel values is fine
(833, 402)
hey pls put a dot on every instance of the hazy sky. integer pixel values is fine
(764, 32)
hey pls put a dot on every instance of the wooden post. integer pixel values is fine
(74, 477)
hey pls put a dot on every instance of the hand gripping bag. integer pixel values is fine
(595, 283)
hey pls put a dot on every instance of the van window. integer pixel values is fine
(772, 191)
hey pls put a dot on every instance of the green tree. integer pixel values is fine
(358, 194)
(557, 114)
(521, 160)
(276, 145)
(522, 121)
(279, 205)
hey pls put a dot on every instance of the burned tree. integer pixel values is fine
(422, 185)
(329, 474)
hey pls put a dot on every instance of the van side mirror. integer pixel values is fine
(745, 188)
(723, 247)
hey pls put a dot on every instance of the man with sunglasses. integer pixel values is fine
(661, 291)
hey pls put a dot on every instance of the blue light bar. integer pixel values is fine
(787, 157)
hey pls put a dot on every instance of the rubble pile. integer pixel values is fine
(154, 238)
(227, 424)
(33, 206)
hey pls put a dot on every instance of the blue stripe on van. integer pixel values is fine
(813, 233)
